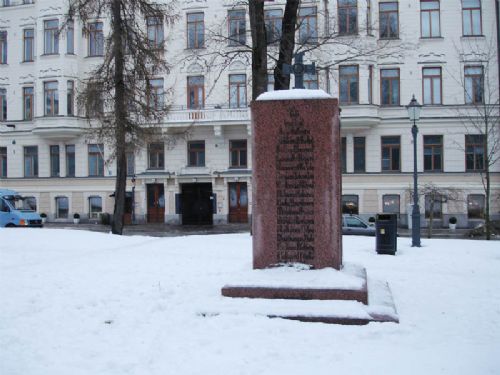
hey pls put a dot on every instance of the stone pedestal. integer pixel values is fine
(296, 180)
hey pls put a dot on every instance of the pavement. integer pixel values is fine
(169, 230)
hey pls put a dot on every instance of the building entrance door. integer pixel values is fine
(197, 205)
(238, 202)
(156, 203)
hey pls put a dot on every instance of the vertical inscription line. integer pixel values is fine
(295, 192)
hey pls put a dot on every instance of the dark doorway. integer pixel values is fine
(238, 202)
(197, 205)
(156, 203)
(127, 215)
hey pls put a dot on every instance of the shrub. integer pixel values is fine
(452, 220)
(43, 215)
(371, 219)
(105, 218)
(76, 215)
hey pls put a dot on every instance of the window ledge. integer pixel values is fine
(93, 56)
(49, 54)
(422, 38)
(472, 36)
(385, 39)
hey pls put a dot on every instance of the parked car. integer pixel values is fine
(352, 224)
(15, 212)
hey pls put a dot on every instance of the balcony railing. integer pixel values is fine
(208, 115)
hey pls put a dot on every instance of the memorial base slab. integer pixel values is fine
(344, 300)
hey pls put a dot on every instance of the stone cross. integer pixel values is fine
(298, 69)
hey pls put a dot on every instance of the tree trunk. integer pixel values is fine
(287, 45)
(120, 117)
(487, 163)
(259, 47)
(431, 218)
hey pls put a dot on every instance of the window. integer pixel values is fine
(95, 207)
(474, 152)
(130, 163)
(3, 47)
(238, 153)
(311, 81)
(433, 153)
(389, 87)
(51, 37)
(70, 160)
(28, 103)
(96, 160)
(270, 82)
(368, 17)
(156, 156)
(28, 44)
(96, 39)
(348, 16)
(343, 154)
(70, 37)
(474, 87)
(62, 207)
(157, 98)
(155, 32)
(195, 30)
(30, 161)
(196, 92)
(273, 20)
(390, 203)
(471, 17)
(431, 85)
(54, 161)
(389, 20)
(308, 29)
(3, 161)
(348, 82)
(475, 206)
(359, 154)
(95, 105)
(29, 203)
(237, 27)
(237, 90)
(370, 84)
(196, 153)
(350, 204)
(391, 153)
(3, 104)
(70, 98)
(434, 204)
(51, 98)
(429, 19)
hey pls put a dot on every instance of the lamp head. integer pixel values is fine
(414, 109)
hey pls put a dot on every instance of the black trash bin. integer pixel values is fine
(386, 233)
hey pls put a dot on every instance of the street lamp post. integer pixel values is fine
(414, 114)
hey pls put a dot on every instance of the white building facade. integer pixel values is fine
(200, 173)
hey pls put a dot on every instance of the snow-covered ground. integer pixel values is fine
(75, 302)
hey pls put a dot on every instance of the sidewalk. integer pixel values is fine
(168, 230)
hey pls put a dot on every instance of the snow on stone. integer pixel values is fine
(294, 94)
(76, 302)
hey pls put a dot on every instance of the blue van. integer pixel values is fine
(15, 212)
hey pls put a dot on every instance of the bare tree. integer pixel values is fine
(480, 115)
(121, 99)
(432, 196)
(270, 49)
